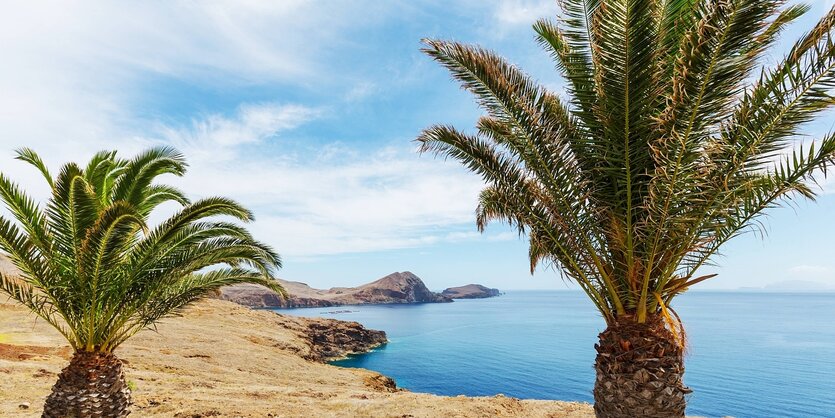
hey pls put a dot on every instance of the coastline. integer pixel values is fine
(222, 359)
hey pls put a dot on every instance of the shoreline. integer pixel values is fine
(223, 359)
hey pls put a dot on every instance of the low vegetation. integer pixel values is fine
(92, 266)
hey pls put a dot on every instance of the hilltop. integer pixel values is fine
(399, 287)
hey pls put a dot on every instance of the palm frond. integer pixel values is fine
(662, 151)
(91, 267)
(30, 156)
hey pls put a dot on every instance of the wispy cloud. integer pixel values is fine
(523, 12)
(74, 75)
(73, 89)
(343, 201)
(812, 271)
(361, 90)
(216, 136)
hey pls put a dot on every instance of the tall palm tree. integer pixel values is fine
(93, 267)
(671, 139)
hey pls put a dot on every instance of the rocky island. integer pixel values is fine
(402, 287)
(470, 291)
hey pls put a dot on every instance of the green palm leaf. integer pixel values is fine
(91, 266)
(664, 150)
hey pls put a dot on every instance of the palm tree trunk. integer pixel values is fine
(639, 371)
(93, 385)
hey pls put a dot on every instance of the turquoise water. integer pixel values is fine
(750, 354)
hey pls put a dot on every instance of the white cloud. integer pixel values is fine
(361, 90)
(244, 39)
(72, 84)
(74, 73)
(811, 271)
(523, 12)
(346, 201)
(215, 137)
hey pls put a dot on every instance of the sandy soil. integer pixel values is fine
(221, 359)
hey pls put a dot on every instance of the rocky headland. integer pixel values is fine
(331, 339)
(220, 359)
(404, 287)
(470, 291)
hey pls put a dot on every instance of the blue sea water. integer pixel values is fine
(749, 354)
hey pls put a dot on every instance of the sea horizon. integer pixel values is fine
(625, 200)
(694, 290)
(539, 345)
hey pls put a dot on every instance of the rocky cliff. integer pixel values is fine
(470, 291)
(331, 339)
(402, 287)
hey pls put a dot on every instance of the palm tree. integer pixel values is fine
(671, 139)
(93, 267)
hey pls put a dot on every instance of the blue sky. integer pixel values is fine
(306, 112)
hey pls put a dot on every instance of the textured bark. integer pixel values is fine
(639, 371)
(93, 385)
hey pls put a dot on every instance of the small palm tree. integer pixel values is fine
(671, 140)
(93, 268)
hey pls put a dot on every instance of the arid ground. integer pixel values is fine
(222, 359)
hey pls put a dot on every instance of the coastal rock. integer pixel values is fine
(331, 339)
(470, 291)
(402, 287)
(222, 359)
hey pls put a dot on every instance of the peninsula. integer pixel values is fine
(220, 359)
(401, 287)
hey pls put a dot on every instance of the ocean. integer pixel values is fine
(749, 354)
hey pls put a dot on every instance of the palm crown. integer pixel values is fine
(671, 140)
(92, 266)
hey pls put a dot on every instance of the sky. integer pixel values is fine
(306, 112)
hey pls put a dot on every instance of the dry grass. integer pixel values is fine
(222, 359)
